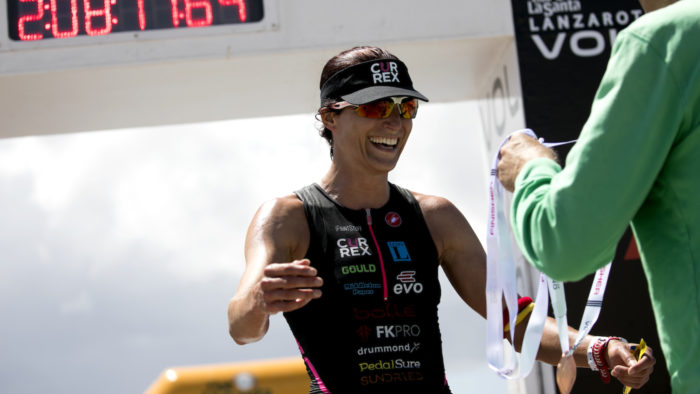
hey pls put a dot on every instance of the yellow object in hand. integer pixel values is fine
(638, 353)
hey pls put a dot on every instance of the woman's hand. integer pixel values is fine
(285, 287)
(625, 367)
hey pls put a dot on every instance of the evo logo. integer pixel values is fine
(408, 283)
(351, 247)
(398, 250)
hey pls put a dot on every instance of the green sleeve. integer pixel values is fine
(569, 221)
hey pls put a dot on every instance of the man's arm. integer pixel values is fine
(568, 222)
(463, 259)
(276, 279)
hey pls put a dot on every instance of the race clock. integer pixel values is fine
(32, 20)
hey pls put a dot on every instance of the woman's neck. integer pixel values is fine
(356, 192)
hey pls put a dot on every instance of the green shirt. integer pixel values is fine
(637, 160)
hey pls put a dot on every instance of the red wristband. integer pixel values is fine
(599, 348)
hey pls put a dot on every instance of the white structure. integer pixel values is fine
(269, 68)
(457, 50)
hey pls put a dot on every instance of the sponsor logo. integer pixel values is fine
(358, 268)
(398, 331)
(383, 72)
(389, 311)
(347, 228)
(399, 251)
(407, 347)
(362, 288)
(350, 247)
(399, 363)
(387, 377)
(408, 283)
(591, 31)
(549, 7)
(406, 276)
(392, 219)
(363, 332)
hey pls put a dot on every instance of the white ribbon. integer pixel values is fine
(502, 254)
(593, 305)
(556, 290)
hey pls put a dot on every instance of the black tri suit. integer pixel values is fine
(375, 328)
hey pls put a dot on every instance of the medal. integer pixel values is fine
(566, 373)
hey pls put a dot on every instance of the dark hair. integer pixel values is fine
(341, 61)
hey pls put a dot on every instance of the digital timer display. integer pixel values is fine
(44, 19)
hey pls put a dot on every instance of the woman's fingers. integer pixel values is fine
(289, 286)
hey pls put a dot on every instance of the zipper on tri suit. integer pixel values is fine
(379, 252)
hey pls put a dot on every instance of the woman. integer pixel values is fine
(352, 260)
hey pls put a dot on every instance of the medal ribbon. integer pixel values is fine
(501, 257)
(502, 254)
(593, 305)
(556, 290)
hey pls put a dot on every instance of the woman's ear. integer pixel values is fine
(328, 118)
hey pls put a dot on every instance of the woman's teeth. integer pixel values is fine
(384, 140)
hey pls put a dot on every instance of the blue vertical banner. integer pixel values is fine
(563, 47)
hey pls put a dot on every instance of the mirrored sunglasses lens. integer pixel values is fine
(376, 110)
(409, 109)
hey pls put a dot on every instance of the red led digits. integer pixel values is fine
(104, 14)
(142, 14)
(175, 13)
(198, 13)
(191, 7)
(73, 20)
(242, 14)
(43, 19)
(39, 15)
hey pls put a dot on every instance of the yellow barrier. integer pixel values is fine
(281, 376)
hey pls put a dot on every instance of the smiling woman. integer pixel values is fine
(130, 241)
(382, 78)
(353, 242)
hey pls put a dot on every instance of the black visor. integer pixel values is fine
(369, 81)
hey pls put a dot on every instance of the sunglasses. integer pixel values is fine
(381, 109)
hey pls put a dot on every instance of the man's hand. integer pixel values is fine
(289, 286)
(625, 368)
(519, 149)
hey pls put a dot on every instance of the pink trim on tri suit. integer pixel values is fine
(379, 253)
(321, 385)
